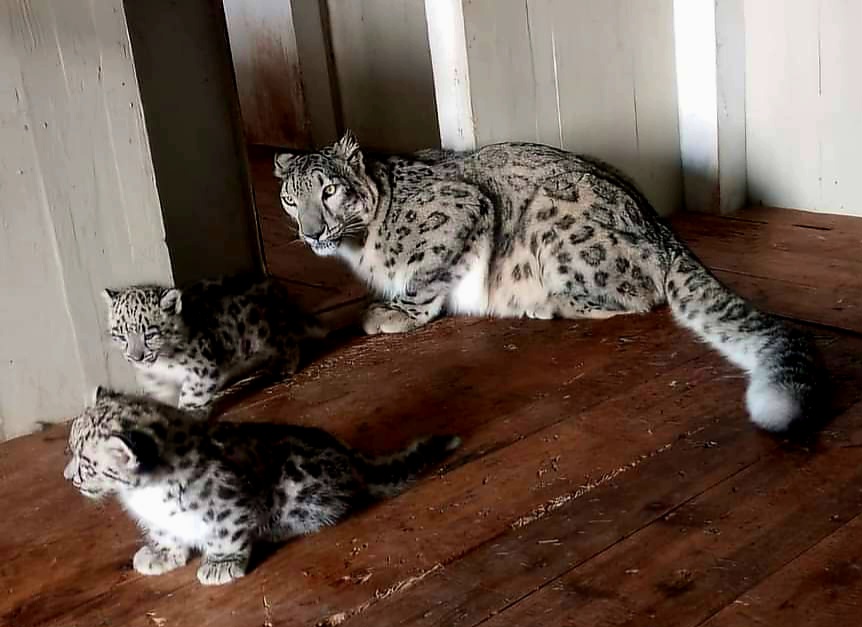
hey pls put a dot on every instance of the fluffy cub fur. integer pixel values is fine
(218, 487)
(187, 344)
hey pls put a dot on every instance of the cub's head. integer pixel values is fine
(141, 318)
(328, 193)
(113, 444)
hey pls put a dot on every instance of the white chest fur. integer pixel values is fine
(369, 264)
(163, 371)
(469, 296)
(153, 511)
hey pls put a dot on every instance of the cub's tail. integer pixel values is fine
(391, 474)
(299, 323)
(784, 378)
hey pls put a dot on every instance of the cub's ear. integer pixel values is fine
(347, 149)
(171, 301)
(100, 393)
(282, 164)
(133, 449)
(109, 296)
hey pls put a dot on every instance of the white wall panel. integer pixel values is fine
(804, 104)
(79, 206)
(382, 65)
(121, 163)
(592, 77)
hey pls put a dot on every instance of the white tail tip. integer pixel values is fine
(772, 407)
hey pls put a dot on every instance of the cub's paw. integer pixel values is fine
(152, 561)
(383, 319)
(218, 572)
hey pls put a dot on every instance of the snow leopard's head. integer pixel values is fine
(113, 444)
(328, 194)
(140, 318)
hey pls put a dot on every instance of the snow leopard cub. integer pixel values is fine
(217, 487)
(188, 344)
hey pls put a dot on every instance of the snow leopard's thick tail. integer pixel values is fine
(784, 376)
(391, 474)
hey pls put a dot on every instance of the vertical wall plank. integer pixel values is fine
(121, 164)
(319, 88)
(782, 102)
(592, 77)
(710, 69)
(383, 68)
(840, 141)
(649, 24)
(451, 70)
(80, 207)
(185, 74)
(498, 54)
(804, 97)
(598, 93)
(281, 61)
(34, 319)
(266, 61)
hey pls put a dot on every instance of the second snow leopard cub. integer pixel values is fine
(518, 229)
(187, 344)
(218, 487)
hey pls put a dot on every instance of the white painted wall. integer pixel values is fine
(383, 72)
(709, 42)
(78, 202)
(804, 104)
(305, 68)
(592, 77)
(121, 162)
(451, 70)
(266, 62)
(281, 60)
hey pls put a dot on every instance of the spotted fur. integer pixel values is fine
(517, 229)
(218, 487)
(188, 344)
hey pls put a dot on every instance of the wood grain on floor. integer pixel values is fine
(608, 476)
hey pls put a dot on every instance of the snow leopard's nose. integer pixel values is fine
(312, 226)
(313, 237)
(135, 347)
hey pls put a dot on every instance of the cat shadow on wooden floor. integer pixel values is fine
(248, 387)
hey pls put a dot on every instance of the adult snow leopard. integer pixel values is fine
(520, 229)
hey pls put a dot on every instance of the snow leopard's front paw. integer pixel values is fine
(384, 319)
(150, 560)
(221, 571)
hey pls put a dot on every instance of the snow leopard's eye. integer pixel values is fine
(328, 191)
(118, 338)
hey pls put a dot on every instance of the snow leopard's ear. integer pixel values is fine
(101, 392)
(347, 149)
(109, 296)
(171, 301)
(282, 164)
(133, 449)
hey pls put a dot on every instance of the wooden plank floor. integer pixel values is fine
(608, 475)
